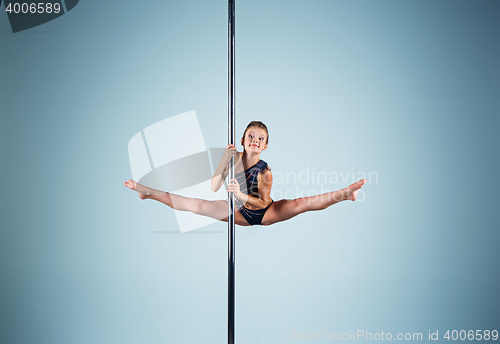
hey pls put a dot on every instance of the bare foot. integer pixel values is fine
(132, 185)
(353, 189)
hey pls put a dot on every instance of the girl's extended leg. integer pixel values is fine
(287, 208)
(215, 209)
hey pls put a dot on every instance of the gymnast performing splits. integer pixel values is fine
(251, 188)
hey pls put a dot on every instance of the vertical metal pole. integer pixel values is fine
(231, 206)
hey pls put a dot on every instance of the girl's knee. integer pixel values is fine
(198, 206)
(301, 204)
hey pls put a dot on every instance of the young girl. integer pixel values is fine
(251, 188)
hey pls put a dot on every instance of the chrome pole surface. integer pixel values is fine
(231, 206)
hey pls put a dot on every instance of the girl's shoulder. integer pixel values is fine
(263, 166)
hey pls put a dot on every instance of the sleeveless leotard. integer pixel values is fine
(249, 179)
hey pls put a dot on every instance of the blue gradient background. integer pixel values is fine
(408, 89)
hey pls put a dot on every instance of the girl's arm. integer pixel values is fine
(265, 181)
(222, 170)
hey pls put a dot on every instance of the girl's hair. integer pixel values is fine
(257, 124)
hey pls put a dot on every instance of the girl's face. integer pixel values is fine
(254, 140)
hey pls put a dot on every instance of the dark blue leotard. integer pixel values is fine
(249, 179)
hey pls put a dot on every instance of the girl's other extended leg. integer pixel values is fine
(214, 209)
(286, 209)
